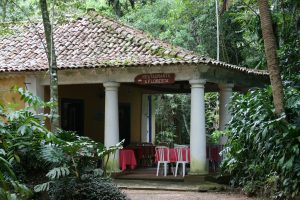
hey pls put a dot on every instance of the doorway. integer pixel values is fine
(72, 115)
(124, 123)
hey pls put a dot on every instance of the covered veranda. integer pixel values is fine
(100, 59)
(193, 79)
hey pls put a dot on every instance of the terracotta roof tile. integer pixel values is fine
(96, 42)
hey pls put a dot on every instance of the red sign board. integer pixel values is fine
(156, 78)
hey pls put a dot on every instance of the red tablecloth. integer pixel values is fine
(172, 155)
(214, 154)
(127, 157)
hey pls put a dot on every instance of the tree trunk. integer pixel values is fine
(271, 55)
(52, 65)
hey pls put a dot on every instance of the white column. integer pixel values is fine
(197, 134)
(153, 118)
(144, 118)
(224, 113)
(111, 124)
(34, 86)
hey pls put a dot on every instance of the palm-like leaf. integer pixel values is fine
(58, 172)
(53, 154)
(42, 187)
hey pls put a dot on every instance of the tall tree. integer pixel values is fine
(271, 55)
(270, 52)
(48, 29)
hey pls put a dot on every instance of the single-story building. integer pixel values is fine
(107, 72)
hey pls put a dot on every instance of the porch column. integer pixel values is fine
(197, 134)
(144, 120)
(224, 113)
(34, 86)
(153, 119)
(111, 124)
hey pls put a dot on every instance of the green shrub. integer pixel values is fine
(27, 146)
(73, 158)
(89, 187)
(263, 150)
(22, 134)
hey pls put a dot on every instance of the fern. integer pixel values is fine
(58, 172)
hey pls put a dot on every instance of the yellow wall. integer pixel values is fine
(133, 95)
(94, 101)
(93, 106)
(6, 95)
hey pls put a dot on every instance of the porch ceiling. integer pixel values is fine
(179, 87)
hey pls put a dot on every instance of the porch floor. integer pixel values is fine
(148, 174)
(146, 179)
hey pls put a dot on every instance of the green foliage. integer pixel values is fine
(17, 10)
(16, 191)
(89, 187)
(214, 138)
(192, 25)
(169, 20)
(21, 136)
(25, 143)
(58, 172)
(262, 153)
(172, 118)
(73, 156)
(211, 112)
(24, 132)
(10, 188)
(165, 137)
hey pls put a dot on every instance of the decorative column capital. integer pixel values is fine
(226, 86)
(197, 83)
(111, 85)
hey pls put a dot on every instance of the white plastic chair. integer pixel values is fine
(181, 153)
(162, 155)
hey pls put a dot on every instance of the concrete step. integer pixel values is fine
(168, 185)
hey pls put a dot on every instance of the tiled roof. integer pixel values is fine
(96, 42)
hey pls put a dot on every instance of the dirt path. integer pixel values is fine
(176, 195)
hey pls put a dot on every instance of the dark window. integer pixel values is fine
(124, 122)
(72, 115)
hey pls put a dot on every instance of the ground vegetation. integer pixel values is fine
(29, 150)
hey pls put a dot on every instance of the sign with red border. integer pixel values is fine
(155, 78)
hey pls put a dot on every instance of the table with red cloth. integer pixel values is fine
(172, 155)
(127, 157)
(212, 153)
(145, 154)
